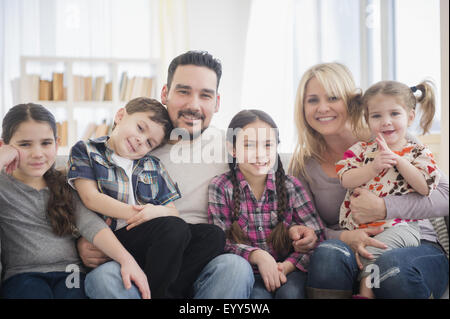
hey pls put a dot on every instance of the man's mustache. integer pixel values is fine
(191, 113)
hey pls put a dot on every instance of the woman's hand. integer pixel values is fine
(303, 238)
(131, 271)
(9, 158)
(366, 207)
(268, 268)
(360, 238)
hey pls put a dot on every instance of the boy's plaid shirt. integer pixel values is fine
(151, 182)
(258, 218)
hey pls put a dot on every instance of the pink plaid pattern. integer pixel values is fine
(258, 218)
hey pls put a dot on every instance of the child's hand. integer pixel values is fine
(385, 159)
(150, 211)
(268, 268)
(282, 273)
(9, 158)
(132, 272)
(143, 213)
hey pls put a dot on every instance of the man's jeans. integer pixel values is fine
(413, 272)
(227, 276)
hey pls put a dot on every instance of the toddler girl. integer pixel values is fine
(390, 163)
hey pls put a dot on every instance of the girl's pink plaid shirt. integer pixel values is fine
(258, 218)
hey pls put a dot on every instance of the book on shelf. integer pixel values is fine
(78, 88)
(99, 91)
(102, 129)
(89, 132)
(30, 88)
(45, 90)
(134, 87)
(123, 86)
(108, 92)
(93, 130)
(129, 89)
(87, 88)
(62, 132)
(58, 86)
(148, 87)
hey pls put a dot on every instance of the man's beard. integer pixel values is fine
(198, 118)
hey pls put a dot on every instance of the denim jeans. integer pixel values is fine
(413, 272)
(294, 288)
(38, 285)
(227, 276)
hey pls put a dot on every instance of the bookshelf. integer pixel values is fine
(82, 92)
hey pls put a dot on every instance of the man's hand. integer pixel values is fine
(303, 238)
(89, 254)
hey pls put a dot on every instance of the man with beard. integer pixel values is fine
(191, 97)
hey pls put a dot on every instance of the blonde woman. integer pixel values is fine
(324, 134)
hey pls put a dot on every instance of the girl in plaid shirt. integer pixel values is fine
(257, 205)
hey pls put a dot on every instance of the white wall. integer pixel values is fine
(220, 27)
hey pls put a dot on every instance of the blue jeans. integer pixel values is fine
(294, 288)
(39, 285)
(227, 276)
(412, 272)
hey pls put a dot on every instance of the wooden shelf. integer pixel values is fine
(112, 66)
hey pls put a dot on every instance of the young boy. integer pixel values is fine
(117, 178)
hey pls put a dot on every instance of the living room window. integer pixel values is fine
(376, 39)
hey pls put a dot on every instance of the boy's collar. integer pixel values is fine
(99, 140)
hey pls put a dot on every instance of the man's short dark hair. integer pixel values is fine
(199, 58)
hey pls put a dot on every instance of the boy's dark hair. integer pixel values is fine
(159, 113)
(199, 58)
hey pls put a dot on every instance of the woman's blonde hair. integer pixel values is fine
(358, 108)
(337, 81)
